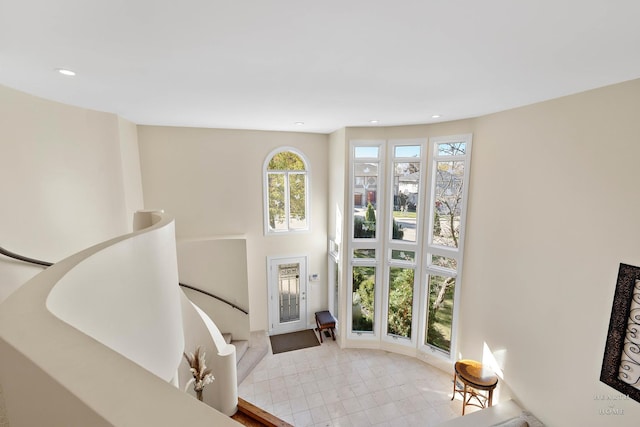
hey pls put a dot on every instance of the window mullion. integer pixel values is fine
(287, 204)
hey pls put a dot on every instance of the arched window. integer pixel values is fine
(286, 183)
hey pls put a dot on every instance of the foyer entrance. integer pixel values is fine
(287, 294)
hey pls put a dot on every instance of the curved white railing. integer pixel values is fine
(124, 295)
(96, 338)
(222, 394)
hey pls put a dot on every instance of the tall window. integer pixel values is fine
(367, 232)
(403, 238)
(286, 192)
(449, 176)
(406, 237)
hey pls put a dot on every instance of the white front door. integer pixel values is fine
(287, 294)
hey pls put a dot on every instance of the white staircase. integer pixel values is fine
(249, 352)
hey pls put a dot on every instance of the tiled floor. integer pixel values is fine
(327, 386)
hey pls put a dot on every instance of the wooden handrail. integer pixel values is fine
(49, 264)
(13, 255)
(209, 294)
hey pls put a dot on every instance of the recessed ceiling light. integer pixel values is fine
(299, 123)
(435, 116)
(65, 72)
(374, 122)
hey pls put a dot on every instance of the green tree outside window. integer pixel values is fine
(287, 192)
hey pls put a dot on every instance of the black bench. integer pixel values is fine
(325, 320)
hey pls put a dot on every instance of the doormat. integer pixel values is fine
(293, 341)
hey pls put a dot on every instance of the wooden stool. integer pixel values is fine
(325, 320)
(474, 378)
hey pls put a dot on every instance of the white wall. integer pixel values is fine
(63, 174)
(218, 266)
(131, 177)
(553, 211)
(210, 180)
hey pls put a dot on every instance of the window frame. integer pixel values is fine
(391, 244)
(430, 249)
(365, 243)
(268, 231)
(423, 247)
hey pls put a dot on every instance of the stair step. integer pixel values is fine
(248, 353)
(241, 348)
(258, 348)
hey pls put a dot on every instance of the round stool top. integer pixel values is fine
(476, 375)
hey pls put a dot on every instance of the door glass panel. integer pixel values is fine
(289, 292)
(400, 301)
(406, 188)
(365, 191)
(440, 311)
(448, 203)
(363, 298)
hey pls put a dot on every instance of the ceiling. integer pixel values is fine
(261, 64)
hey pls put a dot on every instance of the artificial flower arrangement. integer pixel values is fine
(201, 374)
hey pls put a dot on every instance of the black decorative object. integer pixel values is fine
(621, 363)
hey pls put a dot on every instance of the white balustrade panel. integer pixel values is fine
(126, 296)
